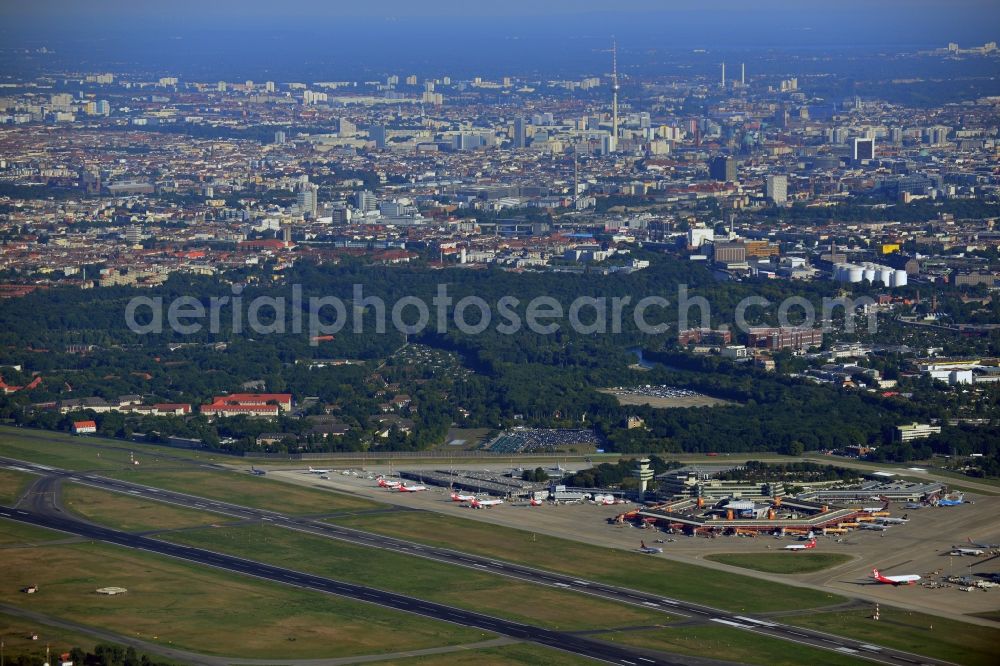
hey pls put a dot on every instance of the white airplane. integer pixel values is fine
(318, 471)
(388, 483)
(873, 526)
(643, 548)
(801, 546)
(908, 579)
(982, 545)
(403, 488)
(975, 552)
(483, 503)
(459, 497)
(891, 521)
(535, 502)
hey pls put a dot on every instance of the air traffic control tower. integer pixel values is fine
(644, 474)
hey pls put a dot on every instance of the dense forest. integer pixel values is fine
(526, 378)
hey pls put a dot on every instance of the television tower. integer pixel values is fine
(723, 84)
(614, 95)
(743, 74)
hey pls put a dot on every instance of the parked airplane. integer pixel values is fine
(913, 505)
(907, 579)
(801, 546)
(459, 497)
(891, 521)
(535, 502)
(403, 488)
(318, 471)
(484, 503)
(982, 545)
(388, 483)
(873, 526)
(975, 552)
(257, 472)
(948, 502)
(643, 548)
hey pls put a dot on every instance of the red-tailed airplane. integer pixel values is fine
(535, 502)
(459, 497)
(403, 488)
(482, 503)
(908, 579)
(388, 483)
(801, 546)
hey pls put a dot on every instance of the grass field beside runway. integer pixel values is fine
(90, 452)
(730, 644)
(911, 631)
(483, 592)
(14, 534)
(131, 513)
(17, 632)
(197, 608)
(247, 490)
(781, 562)
(13, 484)
(636, 570)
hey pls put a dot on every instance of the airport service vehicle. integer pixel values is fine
(459, 497)
(801, 546)
(388, 483)
(643, 548)
(325, 477)
(535, 502)
(906, 579)
(485, 503)
(403, 488)
(318, 471)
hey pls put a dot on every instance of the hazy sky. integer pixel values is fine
(440, 35)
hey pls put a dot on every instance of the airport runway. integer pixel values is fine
(48, 515)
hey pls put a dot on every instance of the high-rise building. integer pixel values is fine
(377, 134)
(306, 199)
(365, 201)
(777, 188)
(269, 86)
(722, 168)
(864, 149)
(345, 127)
(411, 80)
(279, 137)
(520, 132)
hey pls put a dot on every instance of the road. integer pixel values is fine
(43, 512)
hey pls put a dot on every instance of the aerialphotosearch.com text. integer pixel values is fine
(411, 315)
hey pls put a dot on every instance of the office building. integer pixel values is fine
(279, 137)
(377, 134)
(520, 132)
(723, 169)
(911, 431)
(864, 149)
(365, 201)
(306, 199)
(777, 189)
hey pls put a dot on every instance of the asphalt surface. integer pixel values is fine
(46, 513)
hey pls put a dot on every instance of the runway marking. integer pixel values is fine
(651, 603)
(847, 650)
(730, 623)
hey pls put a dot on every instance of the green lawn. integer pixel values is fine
(89, 453)
(911, 631)
(730, 644)
(16, 632)
(444, 583)
(131, 513)
(781, 562)
(635, 570)
(13, 533)
(247, 490)
(205, 610)
(12, 484)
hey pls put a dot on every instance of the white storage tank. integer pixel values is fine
(855, 273)
(869, 272)
(899, 278)
(884, 275)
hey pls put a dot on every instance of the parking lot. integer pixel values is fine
(662, 396)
